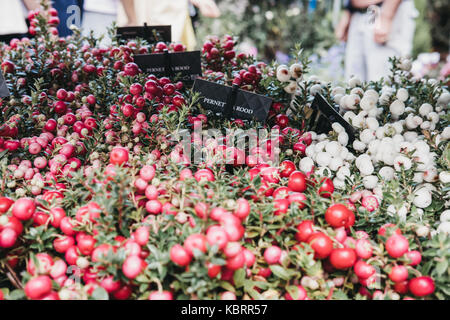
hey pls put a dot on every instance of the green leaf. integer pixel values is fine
(227, 286)
(442, 267)
(293, 291)
(16, 295)
(218, 261)
(239, 277)
(339, 295)
(280, 272)
(252, 234)
(100, 294)
(142, 278)
(254, 294)
(143, 287)
(260, 284)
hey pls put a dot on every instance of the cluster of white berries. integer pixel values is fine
(290, 76)
(330, 157)
(444, 225)
(390, 139)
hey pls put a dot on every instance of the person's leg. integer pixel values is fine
(354, 52)
(378, 65)
(399, 44)
(403, 27)
(99, 23)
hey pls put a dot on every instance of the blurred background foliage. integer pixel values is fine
(271, 28)
(438, 14)
(422, 37)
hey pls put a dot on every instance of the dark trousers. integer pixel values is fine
(6, 38)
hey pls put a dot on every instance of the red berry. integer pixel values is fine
(272, 255)
(236, 262)
(132, 267)
(216, 235)
(397, 245)
(123, 293)
(136, 89)
(281, 206)
(304, 230)
(45, 264)
(7, 66)
(326, 188)
(401, 287)
(147, 173)
(343, 258)
(414, 256)
(179, 255)
(38, 287)
(298, 198)
(23, 209)
(388, 227)
(421, 286)
(141, 235)
(213, 270)
(61, 94)
(338, 216)
(153, 207)
(363, 249)
(321, 244)
(363, 270)
(118, 156)
(56, 214)
(5, 204)
(301, 294)
(8, 238)
(297, 181)
(204, 175)
(398, 273)
(62, 244)
(109, 284)
(131, 69)
(243, 209)
(249, 258)
(286, 168)
(195, 241)
(163, 295)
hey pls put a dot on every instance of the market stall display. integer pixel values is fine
(100, 199)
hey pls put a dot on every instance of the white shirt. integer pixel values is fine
(102, 6)
(12, 19)
(160, 12)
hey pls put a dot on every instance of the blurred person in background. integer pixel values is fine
(13, 18)
(98, 15)
(166, 12)
(375, 30)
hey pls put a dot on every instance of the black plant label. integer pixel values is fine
(182, 66)
(152, 34)
(232, 102)
(4, 92)
(324, 115)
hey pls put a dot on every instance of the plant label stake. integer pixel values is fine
(152, 34)
(4, 92)
(232, 102)
(324, 115)
(186, 65)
